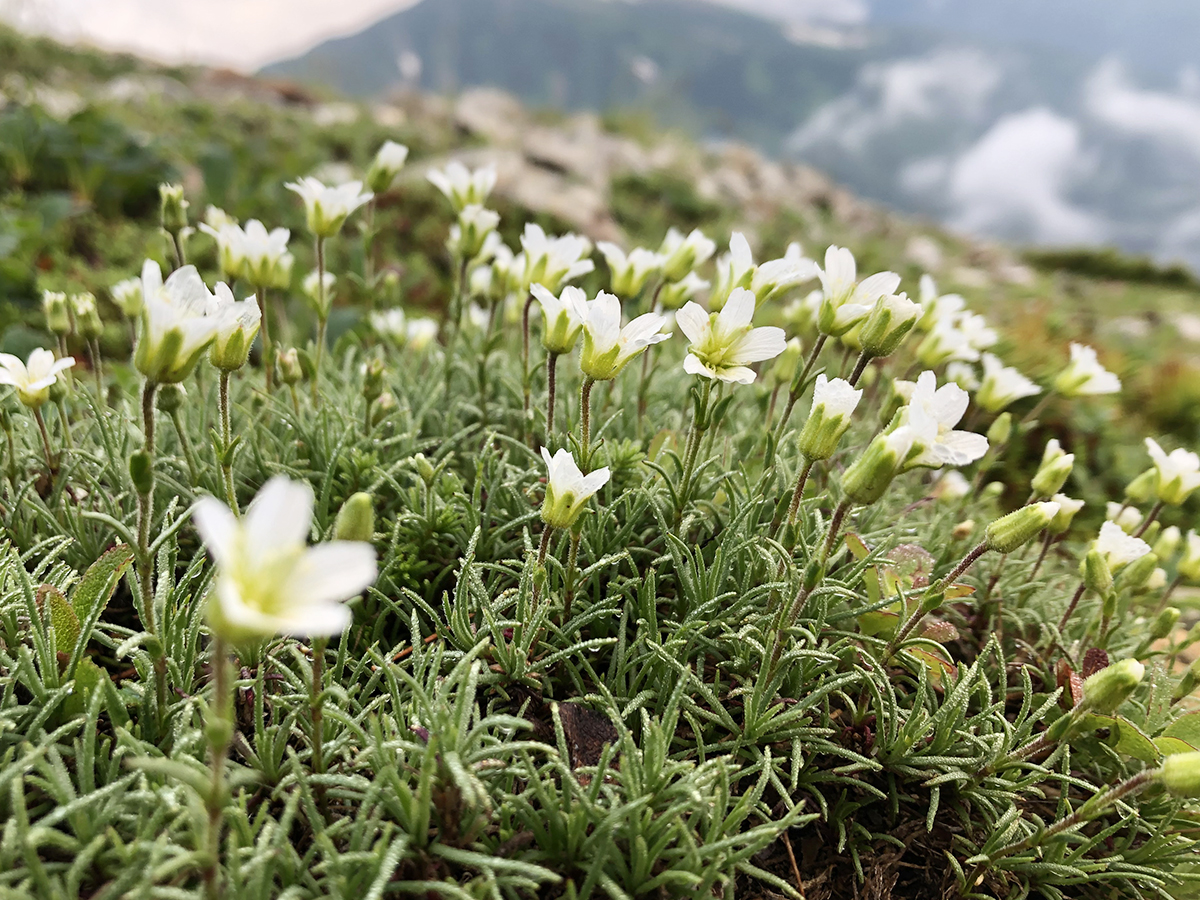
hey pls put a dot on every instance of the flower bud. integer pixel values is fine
(1096, 573)
(171, 397)
(1067, 510)
(468, 237)
(58, 314)
(386, 166)
(87, 316)
(141, 472)
(1139, 574)
(1168, 542)
(1018, 528)
(890, 320)
(1188, 682)
(1165, 623)
(372, 373)
(384, 407)
(356, 519)
(951, 487)
(173, 206)
(1180, 775)
(425, 468)
(1189, 563)
(1001, 430)
(1055, 470)
(963, 530)
(833, 403)
(866, 479)
(1105, 691)
(1142, 488)
(993, 490)
(127, 295)
(290, 370)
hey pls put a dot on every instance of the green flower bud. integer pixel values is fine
(356, 519)
(890, 320)
(993, 490)
(141, 472)
(1180, 775)
(372, 373)
(833, 404)
(87, 315)
(869, 476)
(1164, 624)
(1018, 528)
(58, 313)
(171, 397)
(1067, 510)
(290, 370)
(1142, 488)
(1055, 470)
(1138, 574)
(1105, 691)
(1001, 430)
(425, 468)
(384, 407)
(1189, 563)
(1188, 682)
(174, 207)
(1096, 573)
(1168, 542)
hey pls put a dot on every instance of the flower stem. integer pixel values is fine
(220, 730)
(1066, 616)
(699, 424)
(177, 245)
(934, 590)
(226, 437)
(97, 371)
(322, 321)
(317, 701)
(65, 422)
(798, 384)
(51, 468)
(453, 323)
(526, 375)
(145, 563)
(543, 547)
(585, 423)
(185, 442)
(572, 565)
(268, 349)
(63, 353)
(1149, 520)
(835, 529)
(1047, 541)
(798, 493)
(864, 360)
(551, 390)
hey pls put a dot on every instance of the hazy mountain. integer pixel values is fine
(1076, 121)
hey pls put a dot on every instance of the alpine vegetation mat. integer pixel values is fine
(628, 573)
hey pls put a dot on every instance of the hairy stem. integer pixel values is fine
(219, 731)
(551, 392)
(585, 423)
(1150, 518)
(798, 384)
(226, 437)
(51, 468)
(268, 349)
(864, 360)
(322, 322)
(543, 547)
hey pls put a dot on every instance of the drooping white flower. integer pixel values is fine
(845, 301)
(945, 407)
(237, 326)
(1178, 472)
(268, 581)
(567, 488)
(1002, 385)
(33, 379)
(724, 344)
(607, 347)
(684, 253)
(327, 208)
(833, 404)
(1085, 376)
(179, 321)
(127, 295)
(461, 186)
(554, 261)
(389, 160)
(776, 276)
(630, 272)
(562, 316)
(1118, 548)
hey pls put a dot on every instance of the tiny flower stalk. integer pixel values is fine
(170, 400)
(568, 490)
(322, 320)
(219, 731)
(563, 323)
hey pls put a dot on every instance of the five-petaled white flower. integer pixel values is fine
(237, 326)
(1084, 375)
(1002, 385)
(179, 321)
(469, 235)
(1178, 472)
(567, 488)
(607, 347)
(327, 208)
(563, 317)
(264, 254)
(462, 186)
(724, 344)
(1118, 548)
(944, 406)
(630, 272)
(34, 378)
(937, 307)
(684, 253)
(231, 244)
(845, 301)
(268, 581)
(553, 261)
(390, 323)
(833, 404)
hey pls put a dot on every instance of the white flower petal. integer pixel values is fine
(279, 518)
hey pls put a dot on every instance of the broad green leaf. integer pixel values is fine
(92, 594)
(1169, 746)
(1186, 728)
(62, 617)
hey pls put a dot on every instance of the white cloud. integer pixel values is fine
(1014, 181)
(1111, 98)
(948, 83)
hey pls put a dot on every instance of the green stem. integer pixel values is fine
(186, 444)
(585, 423)
(933, 591)
(97, 371)
(63, 353)
(551, 390)
(526, 374)
(572, 565)
(145, 563)
(63, 419)
(226, 439)
(798, 384)
(543, 547)
(219, 730)
(699, 426)
(268, 348)
(177, 245)
(317, 701)
(51, 468)
(798, 493)
(1149, 520)
(322, 318)
(1066, 616)
(453, 324)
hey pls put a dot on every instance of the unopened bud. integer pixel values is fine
(1168, 542)
(889, 321)
(1001, 430)
(1189, 681)
(141, 472)
(1138, 575)
(869, 476)
(1067, 510)
(1142, 488)
(87, 316)
(290, 370)
(1105, 691)
(1018, 528)
(1164, 624)
(58, 314)
(424, 468)
(1096, 573)
(833, 404)
(356, 519)
(174, 207)
(963, 530)
(1180, 775)
(993, 490)
(171, 397)
(372, 373)
(1054, 471)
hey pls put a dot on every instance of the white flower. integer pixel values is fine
(1118, 548)
(723, 344)
(461, 186)
(322, 300)
(979, 335)
(1068, 507)
(607, 347)
(421, 332)
(567, 488)
(951, 486)
(33, 379)
(963, 374)
(674, 294)
(553, 262)
(630, 273)
(936, 308)
(833, 404)
(1127, 518)
(563, 317)
(179, 321)
(268, 582)
(267, 262)
(231, 245)
(127, 295)
(390, 323)
(215, 217)
(237, 326)
(1084, 375)
(845, 301)
(735, 269)
(1002, 385)
(945, 343)
(945, 407)
(684, 254)
(1178, 473)
(327, 208)
(388, 162)
(774, 277)
(469, 236)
